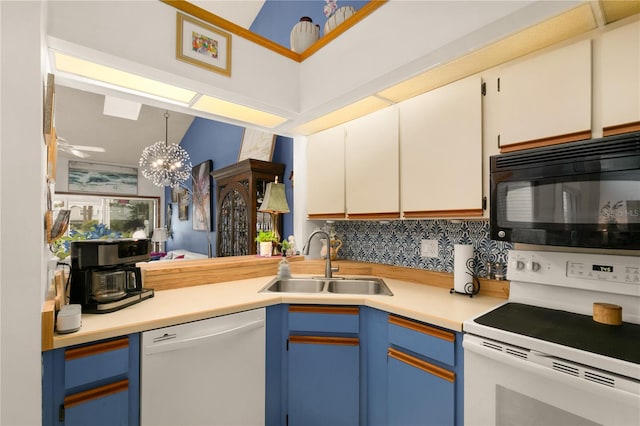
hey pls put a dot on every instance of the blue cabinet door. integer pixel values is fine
(419, 393)
(108, 409)
(93, 384)
(323, 381)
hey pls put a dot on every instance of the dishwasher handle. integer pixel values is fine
(173, 345)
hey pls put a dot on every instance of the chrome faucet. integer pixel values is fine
(328, 270)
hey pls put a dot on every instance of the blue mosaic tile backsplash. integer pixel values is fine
(398, 242)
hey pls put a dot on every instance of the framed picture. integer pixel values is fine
(257, 144)
(201, 181)
(102, 178)
(175, 194)
(167, 219)
(201, 44)
(47, 119)
(183, 200)
(183, 209)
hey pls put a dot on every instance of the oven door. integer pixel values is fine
(509, 385)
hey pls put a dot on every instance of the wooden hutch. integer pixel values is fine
(240, 190)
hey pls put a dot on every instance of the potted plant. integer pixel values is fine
(266, 240)
(285, 246)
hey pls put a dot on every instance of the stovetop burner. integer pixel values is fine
(568, 329)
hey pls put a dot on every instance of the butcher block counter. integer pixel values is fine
(191, 290)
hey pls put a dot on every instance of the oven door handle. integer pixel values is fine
(473, 344)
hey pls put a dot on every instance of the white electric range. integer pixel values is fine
(541, 359)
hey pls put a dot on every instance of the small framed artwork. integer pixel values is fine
(257, 144)
(201, 189)
(183, 208)
(203, 45)
(175, 194)
(167, 219)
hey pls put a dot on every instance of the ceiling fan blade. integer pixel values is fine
(66, 146)
(77, 153)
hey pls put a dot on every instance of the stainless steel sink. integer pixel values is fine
(359, 286)
(296, 285)
(336, 285)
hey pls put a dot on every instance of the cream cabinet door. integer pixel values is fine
(546, 99)
(441, 152)
(372, 176)
(325, 174)
(621, 79)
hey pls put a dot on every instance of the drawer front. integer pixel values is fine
(419, 393)
(422, 339)
(324, 319)
(108, 405)
(100, 361)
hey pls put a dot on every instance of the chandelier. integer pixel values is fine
(165, 164)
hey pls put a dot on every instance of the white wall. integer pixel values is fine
(139, 36)
(22, 253)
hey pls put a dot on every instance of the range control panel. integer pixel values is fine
(617, 274)
(622, 273)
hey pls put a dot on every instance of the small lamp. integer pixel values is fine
(275, 202)
(159, 238)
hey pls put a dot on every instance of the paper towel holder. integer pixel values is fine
(472, 287)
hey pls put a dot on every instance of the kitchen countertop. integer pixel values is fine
(431, 304)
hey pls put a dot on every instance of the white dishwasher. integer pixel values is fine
(208, 372)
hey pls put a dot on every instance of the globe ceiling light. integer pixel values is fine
(165, 164)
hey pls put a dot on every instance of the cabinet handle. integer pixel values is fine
(325, 340)
(311, 309)
(447, 375)
(422, 328)
(95, 393)
(98, 348)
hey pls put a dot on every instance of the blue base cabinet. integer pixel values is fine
(424, 374)
(323, 381)
(313, 365)
(323, 365)
(332, 365)
(92, 384)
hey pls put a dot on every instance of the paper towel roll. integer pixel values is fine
(461, 255)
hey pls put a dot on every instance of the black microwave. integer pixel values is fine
(578, 194)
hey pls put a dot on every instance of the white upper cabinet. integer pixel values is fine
(620, 67)
(546, 99)
(372, 175)
(441, 152)
(325, 174)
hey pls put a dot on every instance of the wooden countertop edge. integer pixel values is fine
(185, 273)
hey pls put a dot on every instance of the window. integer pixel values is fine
(115, 216)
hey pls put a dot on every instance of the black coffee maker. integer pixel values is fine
(104, 275)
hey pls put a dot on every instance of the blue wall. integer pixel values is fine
(220, 142)
(277, 17)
